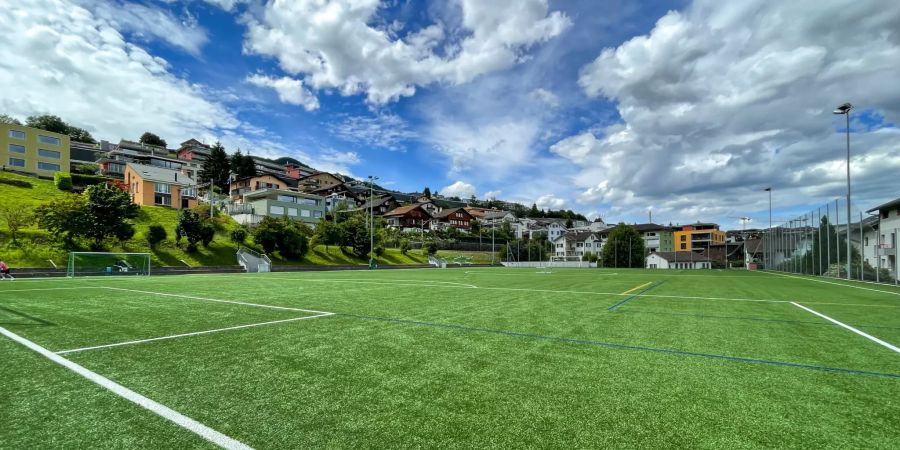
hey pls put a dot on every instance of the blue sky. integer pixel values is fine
(609, 108)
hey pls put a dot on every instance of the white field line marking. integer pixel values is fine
(387, 282)
(43, 289)
(522, 272)
(195, 333)
(200, 275)
(233, 302)
(844, 325)
(832, 282)
(157, 408)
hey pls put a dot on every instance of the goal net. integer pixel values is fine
(105, 263)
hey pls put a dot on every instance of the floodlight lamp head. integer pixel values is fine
(843, 109)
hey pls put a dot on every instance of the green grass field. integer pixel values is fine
(461, 358)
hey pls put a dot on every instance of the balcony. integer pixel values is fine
(239, 209)
(886, 250)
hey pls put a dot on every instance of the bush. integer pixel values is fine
(284, 235)
(85, 168)
(16, 183)
(379, 250)
(239, 235)
(156, 234)
(79, 179)
(207, 233)
(404, 246)
(430, 248)
(62, 181)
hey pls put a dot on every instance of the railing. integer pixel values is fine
(252, 261)
(240, 209)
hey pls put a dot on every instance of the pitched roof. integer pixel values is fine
(377, 201)
(160, 175)
(447, 212)
(650, 227)
(890, 204)
(403, 210)
(578, 236)
(496, 214)
(682, 257)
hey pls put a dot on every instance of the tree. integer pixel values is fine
(239, 235)
(534, 212)
(16, 219)
(569, 224)
(216, 168)
(190, 227)
(328, 233)
(426, 192)
(404, 246)
(243, 166)
(66, 218)
(110, 210)
(624, 248)
(290, 238)
(55, 124)
(156, 234)
(152, 139)
(9, 120)
(355, 234)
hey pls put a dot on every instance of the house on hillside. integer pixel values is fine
(881, 238)
(297, 171)
(678, 260)
(577, 243)
(453, 218)
(113, 164)
(496, 217)
(33, 151)
(157, 186)
(657, 238)
(272, 202)
(318, 180)
(193, 150)
(551, 228)
(409, 217)
(380, 204)
(242, 186)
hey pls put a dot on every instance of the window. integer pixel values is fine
(279, 210)
(48, 166)
(287, 199)
(13, 148)
(317, 214)
(305, 213)
(16, 162)
(16, 134)
(684, 246)
(683, 238)
(162, 188)
(580, 244)
(292, 212)
(49, 153)
(162, 199)
(866, 243)
(188, 192)
(309, 201)
(48, 140)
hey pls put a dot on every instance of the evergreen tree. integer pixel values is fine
(426, 192)
(242, 165)
(216, 168)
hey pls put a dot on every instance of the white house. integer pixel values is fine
(497, 217)
(678, 260)
(880, 241)
(577, 243)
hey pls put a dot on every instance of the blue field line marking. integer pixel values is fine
(623, 346)
(635, 295)
(760, 319)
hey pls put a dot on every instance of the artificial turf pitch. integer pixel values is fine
(472, 358)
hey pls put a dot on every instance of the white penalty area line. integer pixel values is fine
(233, 302)
(389, 282)
(844, 325)
(195, 333)
(834, 283)
(159, 409)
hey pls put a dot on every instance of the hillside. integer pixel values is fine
(36, 247)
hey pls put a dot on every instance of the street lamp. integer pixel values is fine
(371, 222)
(768, 252)
(845, 110)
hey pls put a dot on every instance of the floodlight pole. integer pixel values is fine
(845, 110)
(371, 221)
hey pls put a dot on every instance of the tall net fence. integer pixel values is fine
(829, 242)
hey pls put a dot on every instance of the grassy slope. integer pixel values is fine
(415, 359)
(36, 245)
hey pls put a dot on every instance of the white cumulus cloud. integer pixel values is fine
(459, 189)
(343, 45)
(288, 89)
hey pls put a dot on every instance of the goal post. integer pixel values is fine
(82, 264)
(568, 262)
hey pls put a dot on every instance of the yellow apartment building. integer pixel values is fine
(698, 236)
(33, 151)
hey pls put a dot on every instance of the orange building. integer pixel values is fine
(698, 236)
(155, 186)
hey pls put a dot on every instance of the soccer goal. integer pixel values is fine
(564, 261)
(104, 263)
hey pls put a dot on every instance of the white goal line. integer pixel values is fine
(848, 327)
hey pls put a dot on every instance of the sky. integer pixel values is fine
(688, 109)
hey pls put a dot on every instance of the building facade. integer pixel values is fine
(33, 151)
(698, 236)
(678, 260)
(299, 206)
(156, 186)
(577, 243)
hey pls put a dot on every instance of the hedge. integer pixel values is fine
(62, 181)
(88, 180)
(16, 183)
